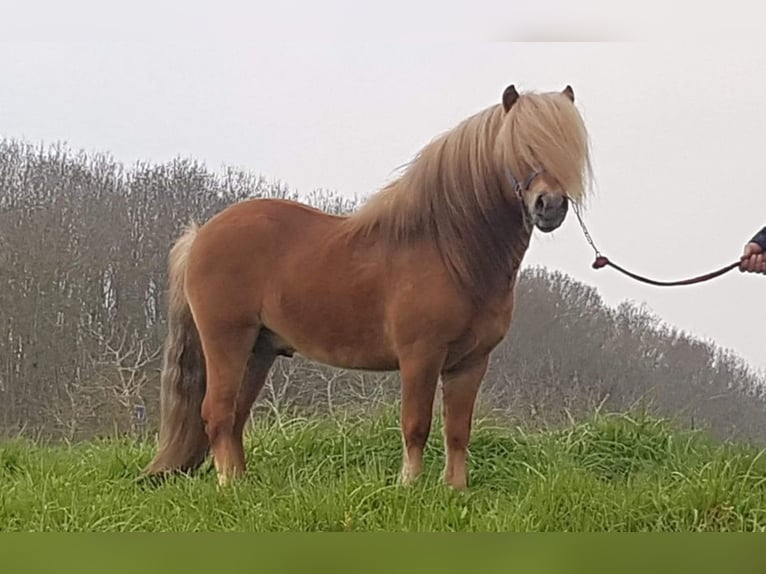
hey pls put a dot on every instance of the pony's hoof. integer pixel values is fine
(407, 479)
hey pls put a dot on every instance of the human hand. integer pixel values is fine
(753, 259)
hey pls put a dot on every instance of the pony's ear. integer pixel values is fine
(569, 93)
(510, 95)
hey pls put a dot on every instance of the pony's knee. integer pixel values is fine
(456, 440)
(415, 434)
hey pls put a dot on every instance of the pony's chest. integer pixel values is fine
(481, 337)
(491, 326)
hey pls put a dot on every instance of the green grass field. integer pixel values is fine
(615, 473)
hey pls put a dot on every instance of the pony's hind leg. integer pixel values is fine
(258, 367)
(459, 389)
(419, 377)
(227, 350)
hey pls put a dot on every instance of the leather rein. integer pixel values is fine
(601, 260)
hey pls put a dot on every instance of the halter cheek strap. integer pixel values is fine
(520, 188)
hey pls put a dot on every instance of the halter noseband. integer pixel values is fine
(520, 188)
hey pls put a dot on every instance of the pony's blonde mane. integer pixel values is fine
(457, 193)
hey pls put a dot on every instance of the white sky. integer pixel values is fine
(678, 129)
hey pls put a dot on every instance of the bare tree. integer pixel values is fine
(83, 252)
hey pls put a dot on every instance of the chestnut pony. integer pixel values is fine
(420, 280)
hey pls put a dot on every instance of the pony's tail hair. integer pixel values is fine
(183, 443)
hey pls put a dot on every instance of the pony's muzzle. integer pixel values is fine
(549, 211)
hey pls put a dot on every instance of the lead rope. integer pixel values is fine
(603, 261)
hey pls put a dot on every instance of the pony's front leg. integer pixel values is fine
(419, 376)
(459, 389)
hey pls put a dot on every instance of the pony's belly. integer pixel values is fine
(337, 347)
(360, 357)
(351, 359)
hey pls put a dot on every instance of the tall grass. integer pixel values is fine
(611, 473)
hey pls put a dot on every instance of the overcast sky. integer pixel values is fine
(678, 134)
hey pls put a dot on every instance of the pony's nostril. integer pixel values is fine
(540, 203)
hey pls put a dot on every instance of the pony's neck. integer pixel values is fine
(454, 196)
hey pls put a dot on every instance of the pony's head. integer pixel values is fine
(542, 146)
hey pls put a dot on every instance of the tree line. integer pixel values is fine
(83, 252)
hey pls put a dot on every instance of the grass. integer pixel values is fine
(612, 473)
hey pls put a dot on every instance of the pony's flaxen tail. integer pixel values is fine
(183, 444)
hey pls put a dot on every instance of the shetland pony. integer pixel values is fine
(420, 280)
